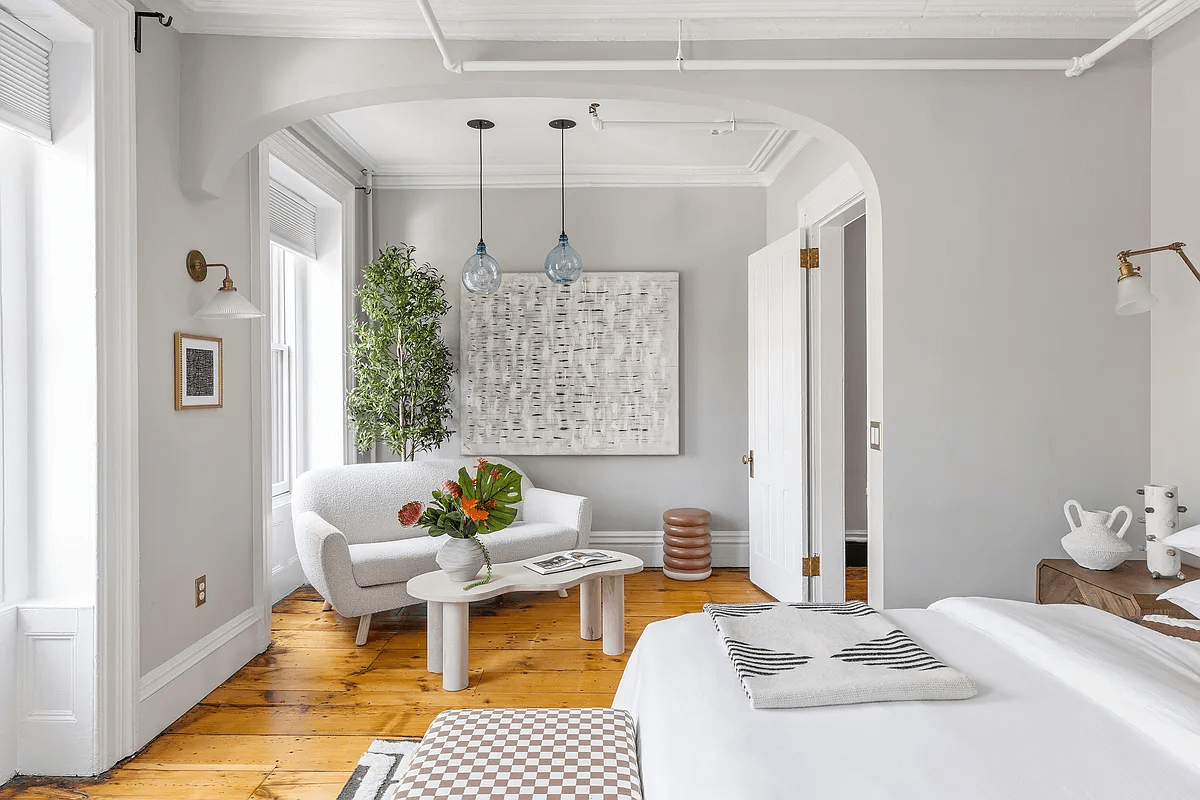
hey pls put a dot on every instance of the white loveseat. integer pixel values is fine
(359, 557)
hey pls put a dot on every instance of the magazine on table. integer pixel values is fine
(572, 559)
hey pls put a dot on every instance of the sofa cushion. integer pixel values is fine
(400, 560)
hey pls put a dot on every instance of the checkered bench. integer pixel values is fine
(525, 754)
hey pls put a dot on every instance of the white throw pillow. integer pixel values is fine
(1186, 597)
(1187, 540)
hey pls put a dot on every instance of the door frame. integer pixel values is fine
(823, 214)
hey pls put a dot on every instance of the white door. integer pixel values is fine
(778, 419)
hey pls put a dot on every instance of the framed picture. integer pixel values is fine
(199, 372)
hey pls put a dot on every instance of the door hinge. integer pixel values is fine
(811, 567)
(810, 258)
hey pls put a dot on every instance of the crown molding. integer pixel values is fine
(636, 20)
(778, 150)
(547, 177)
(1179, 13)
(338, 148)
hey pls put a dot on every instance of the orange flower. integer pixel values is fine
(481, 464)
(488, 505)
(495, 473)
(471, 508)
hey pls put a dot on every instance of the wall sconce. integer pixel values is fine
(226, 303)
(1133, 296)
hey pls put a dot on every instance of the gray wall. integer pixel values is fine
(1175, 323)
(195, 465)
(703, 233)
(816, 162)
(855, 290)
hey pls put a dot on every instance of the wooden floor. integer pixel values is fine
(293, 722)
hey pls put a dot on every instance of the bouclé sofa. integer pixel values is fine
(359, 557)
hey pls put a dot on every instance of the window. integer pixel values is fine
(284, 412)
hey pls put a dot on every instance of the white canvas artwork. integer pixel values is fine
(586, 369)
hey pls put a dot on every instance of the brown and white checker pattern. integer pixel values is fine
(525, 754)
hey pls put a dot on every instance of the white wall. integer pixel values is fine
(196, 466)
(816, 162)
(703, 233)
(1175, 216)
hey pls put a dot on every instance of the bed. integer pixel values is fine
(1073, 703)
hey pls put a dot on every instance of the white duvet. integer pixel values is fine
(1072, 703)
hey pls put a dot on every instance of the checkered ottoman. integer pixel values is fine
(525, 754)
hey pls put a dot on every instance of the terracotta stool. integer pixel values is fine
(687, 544)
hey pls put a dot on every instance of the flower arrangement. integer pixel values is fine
(470, 506)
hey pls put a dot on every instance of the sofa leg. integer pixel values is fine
(326, 606)
(364, 625)
(562, 592)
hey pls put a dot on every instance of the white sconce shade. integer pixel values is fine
(228, 304)
(1133, 295)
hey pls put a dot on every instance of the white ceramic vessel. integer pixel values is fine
(1093, 543)
(460, 559)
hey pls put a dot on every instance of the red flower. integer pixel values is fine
(488, 505)
(495, 473)
(481, 464)
(410, 513)
(471, 508)
(452, 488)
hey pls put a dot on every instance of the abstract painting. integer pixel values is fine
(586, 369)
(198, 378)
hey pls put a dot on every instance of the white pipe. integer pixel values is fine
(1085, 62)
(755, 65)
(1072, 66)
(435, 29)
(694, 125)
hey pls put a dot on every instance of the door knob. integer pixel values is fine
(747, 459)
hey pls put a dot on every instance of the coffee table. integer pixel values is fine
(601, 607)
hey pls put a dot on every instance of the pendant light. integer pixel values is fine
(563, 264)
(481, 272)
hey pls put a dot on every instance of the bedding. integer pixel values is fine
(795, 655)
(1186, 596)
(1044, 726)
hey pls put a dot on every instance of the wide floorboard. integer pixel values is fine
(293, 722)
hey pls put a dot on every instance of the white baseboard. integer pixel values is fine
(169, 690)
(730, 548)
(8, 693)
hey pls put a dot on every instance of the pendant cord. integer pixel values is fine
(481, 185)
(562, 188)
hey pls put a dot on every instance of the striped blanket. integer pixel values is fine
(794, 655)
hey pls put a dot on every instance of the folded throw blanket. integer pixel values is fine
(794, 655)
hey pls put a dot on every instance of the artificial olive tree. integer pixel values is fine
(402, 368)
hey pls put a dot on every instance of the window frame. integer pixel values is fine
(285, 322)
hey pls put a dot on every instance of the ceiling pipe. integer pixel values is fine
(1085, 62)
(719, 127)
(1072, 67)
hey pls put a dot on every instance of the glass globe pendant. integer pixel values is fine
(563, 264)
(481, 273)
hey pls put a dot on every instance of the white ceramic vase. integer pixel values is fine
(1162, 520)
(460, 559)
(1093, 543)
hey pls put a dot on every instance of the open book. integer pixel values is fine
(573, 559)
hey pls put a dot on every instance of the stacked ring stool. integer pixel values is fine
(687, 544)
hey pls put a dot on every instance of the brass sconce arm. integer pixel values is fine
(1128, 269)
(197, 267)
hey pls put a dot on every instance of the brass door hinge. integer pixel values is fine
(811, 567)
(810, 258)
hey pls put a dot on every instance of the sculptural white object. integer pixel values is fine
(1162, 520)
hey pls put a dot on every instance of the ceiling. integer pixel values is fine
(427, 143)
(609, 20)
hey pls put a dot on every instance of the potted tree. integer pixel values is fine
(402, 368)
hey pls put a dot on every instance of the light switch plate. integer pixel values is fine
(201, 590)
(876, 436)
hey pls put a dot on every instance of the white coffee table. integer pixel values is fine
(601, 607)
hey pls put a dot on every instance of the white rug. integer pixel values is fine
(379, 770)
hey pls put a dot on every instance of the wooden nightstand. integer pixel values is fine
(1127, 591)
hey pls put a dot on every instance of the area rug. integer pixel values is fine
(379, 770)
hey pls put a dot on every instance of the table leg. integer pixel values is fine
(589, 609)
(455, 618)
(433, 635)
(614, 615)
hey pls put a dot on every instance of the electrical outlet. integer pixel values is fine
(201, 590)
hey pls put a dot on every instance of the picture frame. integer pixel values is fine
(199, 372)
